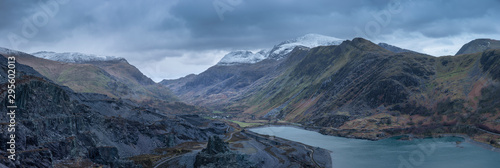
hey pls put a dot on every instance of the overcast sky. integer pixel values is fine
(174, 38)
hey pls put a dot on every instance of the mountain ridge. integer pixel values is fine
(394, 48)
(242, 57)
(278, 51)
(113, 77)
(74, 57)
(308, 40)
(478, 45)
(341, 86)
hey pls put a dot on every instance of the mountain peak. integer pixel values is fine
(363, 44)
(75, 57)
(394, 49)
(8, 51)
(479, 45)
(279, 51)
(242, 57)
(309, 40)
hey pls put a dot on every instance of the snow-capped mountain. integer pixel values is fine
(73, 57)
(278, 51)
(308, 40)
(238, 57)
(8, 51)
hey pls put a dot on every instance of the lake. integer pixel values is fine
(387, 153)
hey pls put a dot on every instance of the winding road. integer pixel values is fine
(165, 160)
(311, 155)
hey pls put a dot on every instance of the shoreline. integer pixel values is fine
(313, 149)
(466, 138)
(472, 141)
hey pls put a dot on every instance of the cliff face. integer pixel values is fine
(55, 125)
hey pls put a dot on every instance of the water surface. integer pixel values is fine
(387, 153)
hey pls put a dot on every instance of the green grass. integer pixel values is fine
(244, 124)
(217, 112)
(208, 118)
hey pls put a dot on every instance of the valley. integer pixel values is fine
(357, 89)
(87, 110)
(249, 84)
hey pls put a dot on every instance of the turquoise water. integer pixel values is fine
(388, 153)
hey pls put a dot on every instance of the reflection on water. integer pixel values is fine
(356, 153)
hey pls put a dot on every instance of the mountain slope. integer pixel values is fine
(243, 57)
(74, 57)
(56, 126)
(239, 73)
(114, 77)
(353, 77)
(360, 86)
(479, 45)
(393, 48)
(221, 85)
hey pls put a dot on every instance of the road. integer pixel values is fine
(166, 160)
(486, 131)
(311, 155)
(230, 136)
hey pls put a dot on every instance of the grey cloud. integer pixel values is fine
(157, 29)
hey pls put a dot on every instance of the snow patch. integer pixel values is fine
(279, 51)
(242, 57)
(8, 51)
(309, 40)
(73, 57)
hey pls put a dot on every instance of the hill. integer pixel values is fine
(479, 45)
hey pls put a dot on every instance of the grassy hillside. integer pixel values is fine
(360, 89)
(359, 85)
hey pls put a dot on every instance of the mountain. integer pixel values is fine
(347, 85)
(242, 57)
(479, 45)
(228, 81)
(358, 86)
(308, 40)
(393, 48)
(111, 76)
(114, 77)
(74, 57)
(115, 66)
(56, 127)
(9, 51)
(219, 85)
(278, 51)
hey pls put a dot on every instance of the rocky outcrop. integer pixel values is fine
(217, 154)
